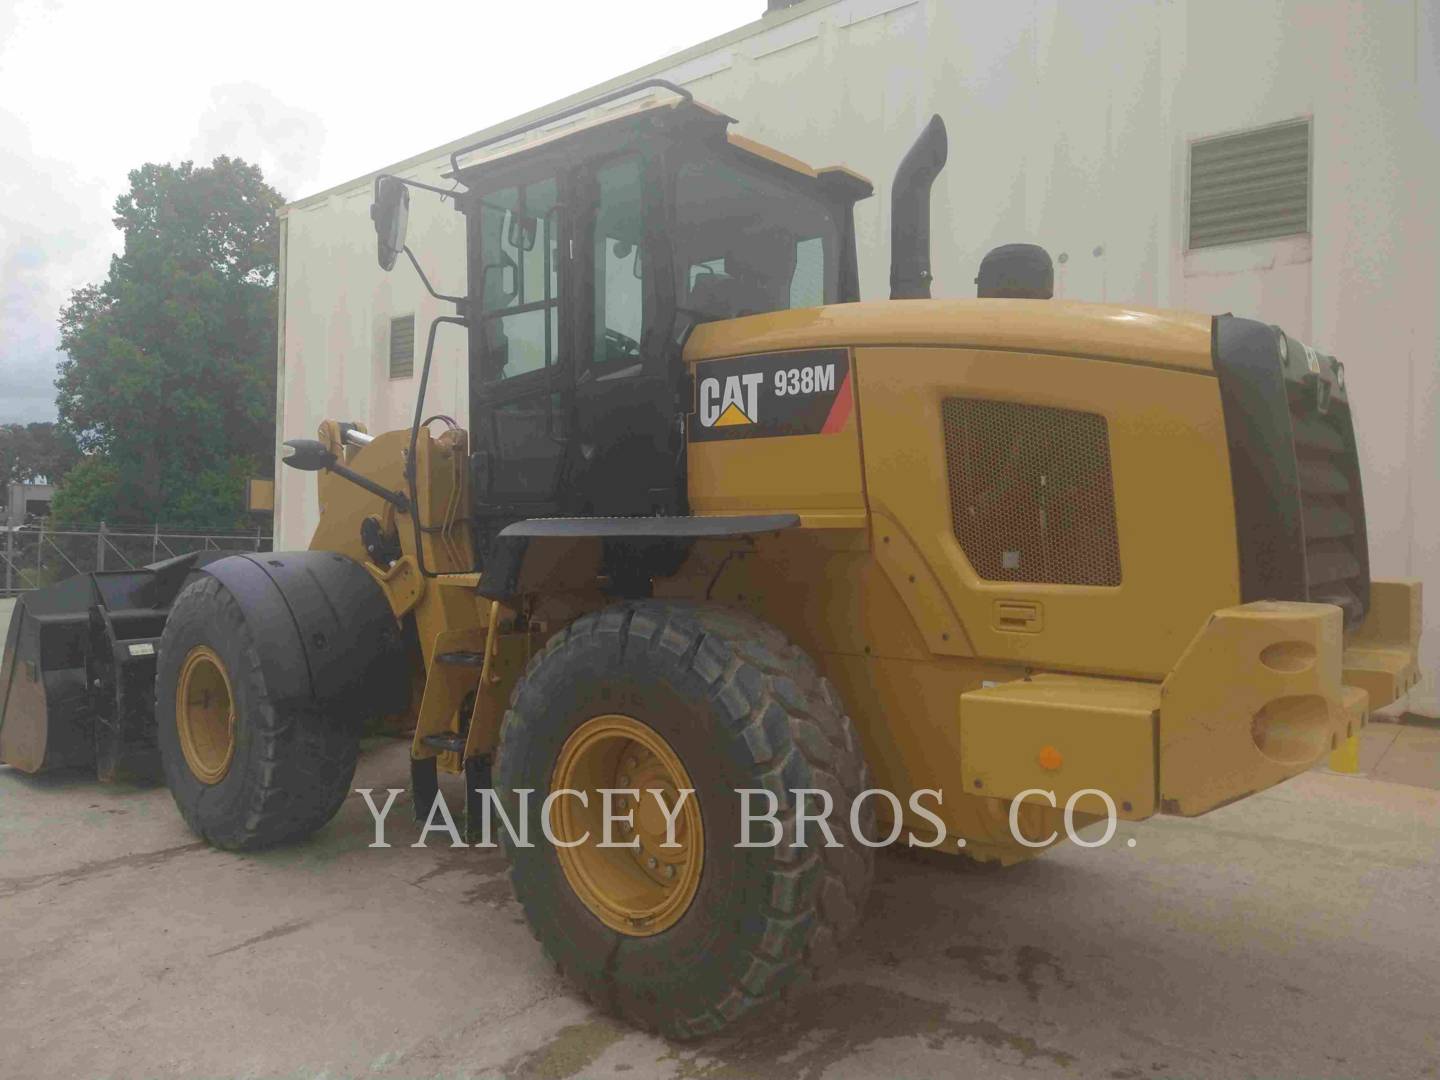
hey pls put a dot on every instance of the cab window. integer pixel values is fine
(748, 243)
(520, 284)
(619, 266)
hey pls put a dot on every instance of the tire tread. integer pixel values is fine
(304, 761)
(797, 734)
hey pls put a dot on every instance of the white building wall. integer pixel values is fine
(1069, 127)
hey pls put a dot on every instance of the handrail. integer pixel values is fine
(549, 118)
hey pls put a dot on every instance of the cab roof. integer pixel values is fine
(654, 99)
(760, 150)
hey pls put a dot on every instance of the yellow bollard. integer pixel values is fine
(1346, 759)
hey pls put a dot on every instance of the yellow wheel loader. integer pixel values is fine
(724, 555)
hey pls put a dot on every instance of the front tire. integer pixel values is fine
(245, 771)
(717, 701)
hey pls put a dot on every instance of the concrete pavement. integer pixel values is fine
(1404, 753)
(1292, 934)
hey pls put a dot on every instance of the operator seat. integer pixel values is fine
(756, 279)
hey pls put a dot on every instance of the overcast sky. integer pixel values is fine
(315, 93)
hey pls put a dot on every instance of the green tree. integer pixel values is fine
(92, 492)
(30, 453)
(169, 382)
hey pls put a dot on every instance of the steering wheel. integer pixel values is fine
(620, 346)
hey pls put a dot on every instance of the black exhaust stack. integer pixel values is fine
(910, 213)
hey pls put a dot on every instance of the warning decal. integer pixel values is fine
(793, 393)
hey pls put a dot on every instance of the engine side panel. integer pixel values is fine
(1172, 502)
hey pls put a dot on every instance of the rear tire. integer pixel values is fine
(740, 707)
(286, 770)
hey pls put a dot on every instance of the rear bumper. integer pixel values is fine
(1264, 691)
(1257, 698)
(1381, 656)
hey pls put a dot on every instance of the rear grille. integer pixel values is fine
(1332, 512)
(1299, 509)
(1031, 494)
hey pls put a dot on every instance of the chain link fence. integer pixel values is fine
(34, 556)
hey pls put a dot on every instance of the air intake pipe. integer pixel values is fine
(910, 213)
(1017, 271)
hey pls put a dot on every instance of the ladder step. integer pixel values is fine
(477, 777)
(461, 659)
(450, 741)
(424, 786)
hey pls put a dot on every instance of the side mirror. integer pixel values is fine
(509, 282)
(391, 212)
(310, 455)
(522, 232)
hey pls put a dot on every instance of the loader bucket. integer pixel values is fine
(42, 679)
(77, 678)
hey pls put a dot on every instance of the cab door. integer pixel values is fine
(625, 410)
(519, 342)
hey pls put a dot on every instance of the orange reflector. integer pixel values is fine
(1050, 758)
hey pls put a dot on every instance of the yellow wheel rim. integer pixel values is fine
(205, 715)
(638, 890)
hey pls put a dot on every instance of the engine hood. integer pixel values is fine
(1172, 339)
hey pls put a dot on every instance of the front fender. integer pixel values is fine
(324, 630)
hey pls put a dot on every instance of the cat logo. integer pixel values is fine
(762, 396)
(735, 402)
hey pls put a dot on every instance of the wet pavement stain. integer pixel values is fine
(1030, 960)
(434, 872)
(487, 866)
(570, 1051)
(831, 1024)
(139, 861)
(494, 891)
(269, 935)
(489, 870)
(976, 959)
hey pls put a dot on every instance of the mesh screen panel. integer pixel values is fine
(1031, 494)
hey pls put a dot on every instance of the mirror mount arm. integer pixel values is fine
(458, 301)
(394, 498)
(446, 192)
(310, 455)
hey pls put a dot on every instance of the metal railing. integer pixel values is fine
(34, 556)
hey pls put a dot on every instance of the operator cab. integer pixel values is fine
(596, 240)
